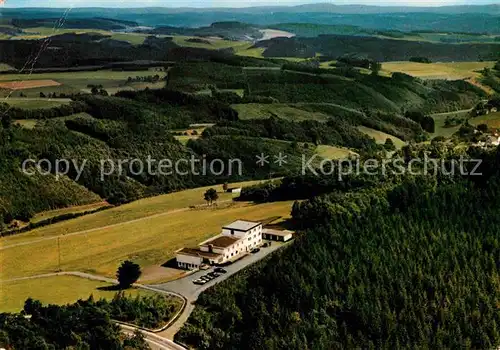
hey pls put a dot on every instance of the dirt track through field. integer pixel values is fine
(99, 228)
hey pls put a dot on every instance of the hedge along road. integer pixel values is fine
(156, 342)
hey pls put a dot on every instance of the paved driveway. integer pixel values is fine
(191, 291)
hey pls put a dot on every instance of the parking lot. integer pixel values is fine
(191, 291)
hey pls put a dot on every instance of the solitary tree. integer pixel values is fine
(225, 187)
(128, 273)
(389, 145)
(211, 196)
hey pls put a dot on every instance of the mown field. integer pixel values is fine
(285, 111)
(132, 211)
(57, 290)
(146, 231)
(451, 71)
(381, 137)
(447, 131)
(492, 120)
(64, 211)
(31, 123)
(192, 133)
(35, 103)
(72, 82)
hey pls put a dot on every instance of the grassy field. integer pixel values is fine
(131, 211)
(35, 103)
(112, 81)
(31, 123)
(255, 52)
(239, 92)
(69, 290)
(26, 123)
(447, 131)
(5, 66)
(151, 241)
(209, 43)
(192, 134)
(71, 210)
(492, 120)
(332, 152)
(263, 111)
(453, 70)
(381, 137)
(43, 32)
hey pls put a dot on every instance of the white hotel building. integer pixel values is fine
(236, 239)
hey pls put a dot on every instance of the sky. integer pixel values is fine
(228, 3)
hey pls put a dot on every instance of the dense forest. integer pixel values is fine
(344, 86)
(86, 324)
(402, 264)
(378, 49)
(138, 124)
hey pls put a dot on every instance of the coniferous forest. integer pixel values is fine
(105, 108)
(411, 264)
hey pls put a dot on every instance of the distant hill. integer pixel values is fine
(378, 49)
(449, 18)
(227, 30)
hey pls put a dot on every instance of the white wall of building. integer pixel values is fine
(188, 261)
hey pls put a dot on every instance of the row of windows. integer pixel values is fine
(187, 265)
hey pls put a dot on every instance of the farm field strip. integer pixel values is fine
(34, 103)
(492, 120)
(28, 84)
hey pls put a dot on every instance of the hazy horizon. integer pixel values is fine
(231, 3)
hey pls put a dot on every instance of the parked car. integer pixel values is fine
(220, 270)
(205, 278)
(208, 277)
(214, 274)
(199, 281)
(265, 245)
(204, 267)
(256, 250)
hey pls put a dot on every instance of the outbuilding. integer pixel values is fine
(192, 259)
(277, 235)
